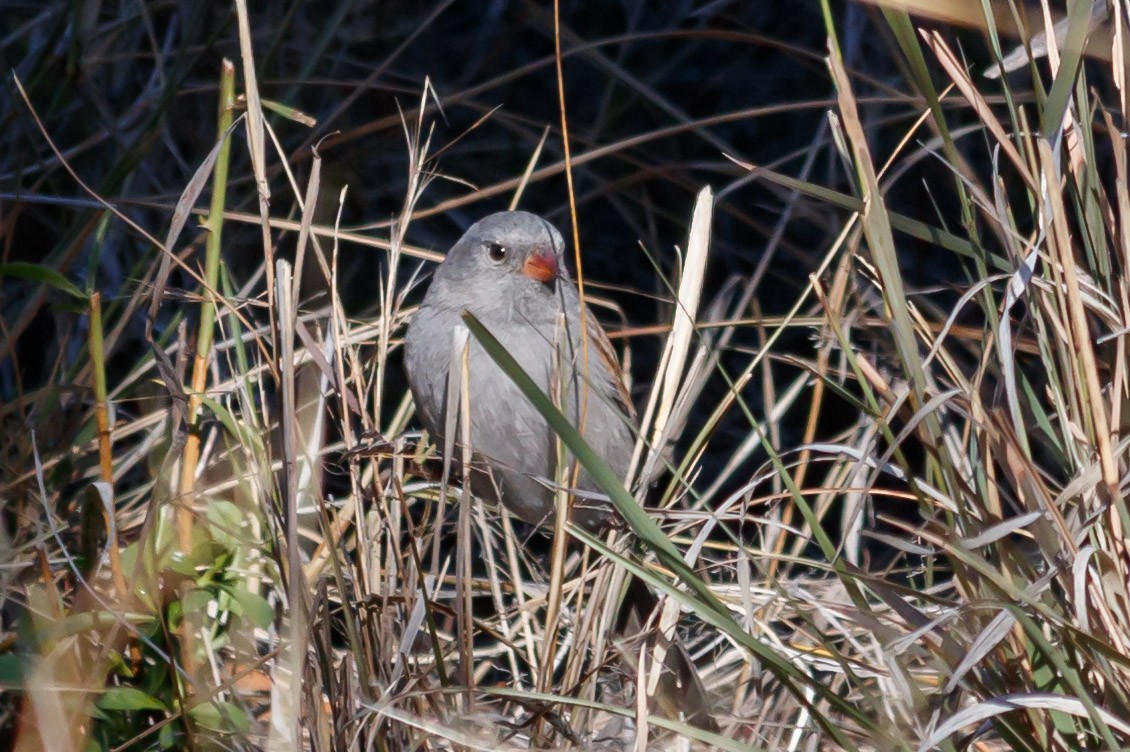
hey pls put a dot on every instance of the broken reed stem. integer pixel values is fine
(105, 444)
(204, 333)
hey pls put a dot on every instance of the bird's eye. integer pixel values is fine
(496, 251)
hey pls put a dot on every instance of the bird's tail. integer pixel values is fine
(680, 694)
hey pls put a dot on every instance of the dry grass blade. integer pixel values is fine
(529, 170)
(288, 685)
(980, 106)
(686, 307)
(971, 13)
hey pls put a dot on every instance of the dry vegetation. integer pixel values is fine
(884, 362)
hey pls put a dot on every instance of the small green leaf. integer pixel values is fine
(13, 669)
(167, 736)
(174, 614)
(252, 605)
(129, 698)
(196, 601)
(120, 666)
(225, 521)
(183, 565)
(41, 274)
(238, 430)
(220, 716)
(288, 112)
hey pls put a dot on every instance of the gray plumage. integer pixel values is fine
(508, 270)
(514, 448)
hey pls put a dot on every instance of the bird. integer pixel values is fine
(508, 270)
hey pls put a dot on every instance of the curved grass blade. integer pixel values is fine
(706, 605)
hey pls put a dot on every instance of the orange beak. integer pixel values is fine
(540, 266)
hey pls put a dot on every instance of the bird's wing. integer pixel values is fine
(600, 344)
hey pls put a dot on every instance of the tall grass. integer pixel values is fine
(887, 507)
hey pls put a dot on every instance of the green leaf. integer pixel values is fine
(288, 112)
(252, 605)
(181, 564)
(197, 600)
(238, 430)
(1071, 59)
(129, 698)
(220, 716)
(43, 275)
(225, 521)
(13, 669)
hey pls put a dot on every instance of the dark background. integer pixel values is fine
(129, 93)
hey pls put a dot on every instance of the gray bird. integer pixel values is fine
(508, 271)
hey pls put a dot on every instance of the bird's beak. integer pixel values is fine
(540, 266)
